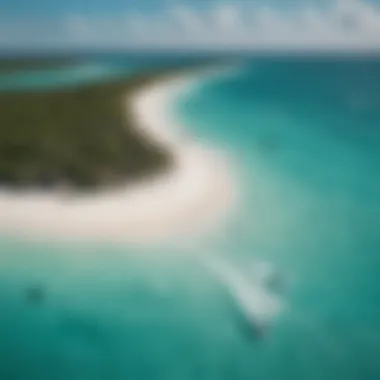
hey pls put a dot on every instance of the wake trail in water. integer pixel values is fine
(250, 293)
(252, 298)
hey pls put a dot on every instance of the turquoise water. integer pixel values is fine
(305, 136)
(88, 68)
(71, 75)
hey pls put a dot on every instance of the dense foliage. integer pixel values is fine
(82, 137)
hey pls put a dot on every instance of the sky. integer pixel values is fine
(191, 24)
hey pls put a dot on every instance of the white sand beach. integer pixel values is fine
(192, 198)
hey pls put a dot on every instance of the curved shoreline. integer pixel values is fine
(189, 199)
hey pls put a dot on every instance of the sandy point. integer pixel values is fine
(193, 198)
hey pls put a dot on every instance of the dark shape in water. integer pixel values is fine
(277, 283)
(35, 294)
(259, 332)
(270, 143)
(252, 330)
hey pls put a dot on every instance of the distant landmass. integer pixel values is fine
(9, 65)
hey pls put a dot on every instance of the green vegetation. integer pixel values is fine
(82, 137)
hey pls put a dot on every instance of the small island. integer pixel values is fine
(105, 161)
(79, 137)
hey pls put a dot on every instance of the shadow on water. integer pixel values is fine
(248, 332)
(35, 294)
(270, 143)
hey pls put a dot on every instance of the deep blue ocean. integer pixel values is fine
(304, 135)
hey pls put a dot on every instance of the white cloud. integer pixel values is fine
(188, 19)
(136, 24)
(226, 17)
(78, 26)
(345, 24)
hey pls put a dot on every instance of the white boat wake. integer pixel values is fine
(256, 291)
(251, 295)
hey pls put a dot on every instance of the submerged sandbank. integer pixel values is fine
(191, 198)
